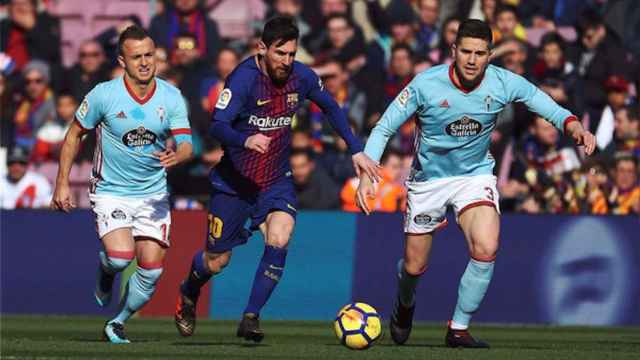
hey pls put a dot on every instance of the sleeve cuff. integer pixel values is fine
(75, 119)
(567, 121)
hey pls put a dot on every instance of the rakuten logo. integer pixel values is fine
(269, 123)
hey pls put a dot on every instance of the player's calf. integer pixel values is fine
(203, 267)
(111, 263)
(402, 317)
(140, 288)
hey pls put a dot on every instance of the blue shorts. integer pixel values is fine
(228, 214)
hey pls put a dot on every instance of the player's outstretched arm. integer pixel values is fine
(62, 199)
(539, 102)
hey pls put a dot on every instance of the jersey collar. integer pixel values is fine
(459, 86)
(135, 97)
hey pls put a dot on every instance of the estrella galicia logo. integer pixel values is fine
(422, 219)
(464, 127)
(118, 214)
(139, 137)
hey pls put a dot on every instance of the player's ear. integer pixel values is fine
(121, 61)
(262, 48)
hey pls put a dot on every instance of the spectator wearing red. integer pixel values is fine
(26, 35)
(617, 89)
(50, 136)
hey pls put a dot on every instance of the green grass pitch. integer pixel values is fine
(63, 337)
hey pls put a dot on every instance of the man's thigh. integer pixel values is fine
(228, 214)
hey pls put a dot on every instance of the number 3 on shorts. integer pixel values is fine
(215, 227)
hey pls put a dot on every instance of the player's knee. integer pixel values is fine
(415, 267)
(278, 239)
(217, 262)
(484, 253)
(116, 261)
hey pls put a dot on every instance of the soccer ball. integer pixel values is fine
(358, 326)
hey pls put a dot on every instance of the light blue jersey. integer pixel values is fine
(128, 131)
(455, 125)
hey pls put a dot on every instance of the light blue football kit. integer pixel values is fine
(128, 131)
(453, 165)
(128, 183)
(455, 125)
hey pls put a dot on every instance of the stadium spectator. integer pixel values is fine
(91, 69)
(442, 53)
(26, 35)
(336, 159)
(186, 16)
(595, 193)
(508, 25)
(626, 135)
(37, 106)
(624, 198)
(187, 59)
(390, 195)
(343, 44)
(351, 100)
(314, 188)
(318, 36)
(211, 87)
(550, 13)
(617, 89)
(162, 62)
(8, 105)
(301, 139)
(21, 188)
(598, 55)
(428, 31)
(51, 134)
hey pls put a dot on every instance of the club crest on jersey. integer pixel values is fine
(487, 102)
(223, 99)
(292, 100)
(139, 137)
(404, 96)
(118, 214)
(160, 111)
(463, 127)
(422, 219)
(83, 109)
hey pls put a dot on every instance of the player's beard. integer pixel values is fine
(277, 76)
(468, 84)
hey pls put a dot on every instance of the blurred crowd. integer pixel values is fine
(584, 53)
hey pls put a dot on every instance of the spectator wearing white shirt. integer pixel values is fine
(21, 188)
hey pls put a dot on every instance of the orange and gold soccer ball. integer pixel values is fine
(358, 326)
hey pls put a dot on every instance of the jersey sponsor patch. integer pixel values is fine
(83, 109)
(463, 127)
(139, 137)
(223, 99)
(404, 96)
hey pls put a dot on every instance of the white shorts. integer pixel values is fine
(149, 217)
(427, 201)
